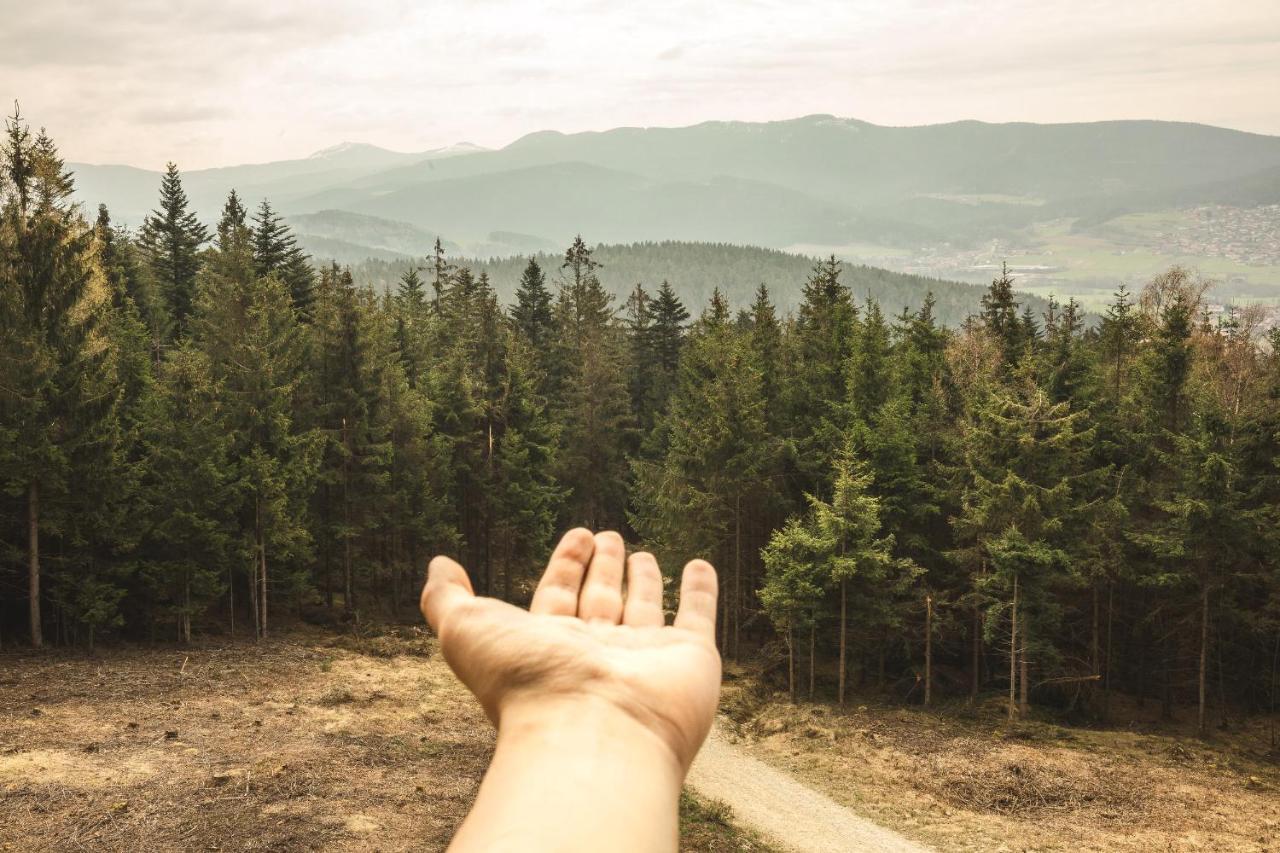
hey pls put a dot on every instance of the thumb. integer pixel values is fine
(447, 587)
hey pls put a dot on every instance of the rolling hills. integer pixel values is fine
(916, 199)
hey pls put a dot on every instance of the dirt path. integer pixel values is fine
(788, 813)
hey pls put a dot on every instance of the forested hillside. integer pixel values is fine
(696, 271)
(201, 433)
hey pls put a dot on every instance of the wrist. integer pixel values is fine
(591, 731)
(575, 774)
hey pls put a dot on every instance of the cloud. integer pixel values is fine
(143, 81)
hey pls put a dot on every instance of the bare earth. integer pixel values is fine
(788, 814)
(289, 746)
(316, 742)
(308, 742)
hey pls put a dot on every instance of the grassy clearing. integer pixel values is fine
(307, 742)
(964, 779)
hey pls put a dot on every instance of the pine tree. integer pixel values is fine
(276, 252)
(412, 291)
(820, 349)
(857, 555)
(248, 330)
(441, 273)
(720, 464)
(795, 587)
(189, 541)
(642, 378)
(594, 407)
(1205, 537)
(532, 313)
(56, 399)
(413, 332)
(170, 243)
(1000, 319)
(868, 366)
(527, 495)
(669, 319)
(1028, 480)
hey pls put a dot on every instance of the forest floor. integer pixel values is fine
(317, 741)
(964, 779)
(305, 742)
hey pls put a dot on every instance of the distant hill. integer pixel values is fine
(816, 180)
(131, 193)
(696, 269)
(357, 231)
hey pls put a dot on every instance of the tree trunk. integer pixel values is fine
(1275, 666)
(737, 571)
(975, 682)
(262, 558)
(252, 578)
(1094, 639)
(1166, 689)
(1204, 659)
(722, 624)
(844, 636)
(33, 561)
(1222, 688)
(231, 599)
(1106, 678)
(928, 649)
(186, 606)
(791, 664)
(1013, 653)
(1024, 683)
(813, 655)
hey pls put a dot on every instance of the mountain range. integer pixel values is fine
(812, 181)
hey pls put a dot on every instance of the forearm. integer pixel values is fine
(575, 775)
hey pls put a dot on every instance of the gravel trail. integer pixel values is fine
(787, 812)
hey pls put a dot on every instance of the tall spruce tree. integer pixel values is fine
(720, 464)
(56, 392)
(594, 407)
(276, 252)
(170, 242)
(246, 327)
(821, 344)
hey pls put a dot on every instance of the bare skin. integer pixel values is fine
(600, 706)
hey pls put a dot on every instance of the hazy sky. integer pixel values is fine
(215, 83)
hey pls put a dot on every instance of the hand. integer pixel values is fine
(581, 649)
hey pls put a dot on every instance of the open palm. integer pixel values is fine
(582, 640)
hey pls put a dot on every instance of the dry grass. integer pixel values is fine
(289, 745)
(707, 826)
(964, 780)
(308, 742)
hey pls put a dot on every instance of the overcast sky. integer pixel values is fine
(217, 83)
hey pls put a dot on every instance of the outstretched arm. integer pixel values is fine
(600, 707)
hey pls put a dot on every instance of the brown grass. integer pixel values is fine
(966, 780)
(308, 742)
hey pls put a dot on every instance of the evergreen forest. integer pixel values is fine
(204, 432)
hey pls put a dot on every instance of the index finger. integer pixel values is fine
(557, 592)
